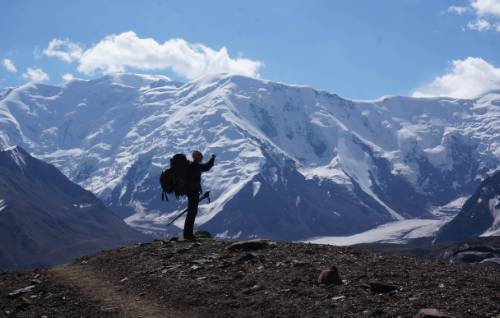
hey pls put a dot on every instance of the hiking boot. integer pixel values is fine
(190, 238)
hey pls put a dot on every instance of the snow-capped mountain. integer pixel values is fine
(292, 163)
(46, 219)
(480, 215)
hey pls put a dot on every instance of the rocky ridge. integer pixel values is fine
(213, 278)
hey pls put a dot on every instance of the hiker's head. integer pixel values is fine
(197, 156)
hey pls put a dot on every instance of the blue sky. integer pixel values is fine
(357, 49)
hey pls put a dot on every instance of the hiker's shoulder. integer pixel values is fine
(193, 165)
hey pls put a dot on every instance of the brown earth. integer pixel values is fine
(208, 279)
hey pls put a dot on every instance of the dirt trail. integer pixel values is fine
(113, 296)
(212, 278)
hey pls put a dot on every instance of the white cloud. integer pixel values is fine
(467, 78)
(64, 49)
(479, 25)
(68, 77)
(458, 10)
(35, 75)
(116, 53)
(486, 7)
(486, 14)
(9, 66)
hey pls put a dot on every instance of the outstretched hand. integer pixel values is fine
(213, 156)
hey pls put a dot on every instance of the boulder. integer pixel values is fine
(251, 245)
(330, 276)
(247, 257)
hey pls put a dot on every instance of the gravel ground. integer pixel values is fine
(209, 278)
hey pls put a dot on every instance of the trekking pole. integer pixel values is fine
(205, 195)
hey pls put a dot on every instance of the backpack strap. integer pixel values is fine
(164, 196)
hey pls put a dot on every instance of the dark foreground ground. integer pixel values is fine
(209, 279)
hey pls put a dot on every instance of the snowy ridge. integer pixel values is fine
(371, 161)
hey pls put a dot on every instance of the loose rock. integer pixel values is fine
(330, 276)
(251, 245)
(431, 313)
(21, 291)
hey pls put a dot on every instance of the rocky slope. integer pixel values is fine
(293, 162)
(46, 219)
(480, 215)
(262, 279)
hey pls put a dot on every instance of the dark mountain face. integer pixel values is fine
(480, 214)
(300, 208)
(46, 219)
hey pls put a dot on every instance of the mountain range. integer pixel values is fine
(292, 162)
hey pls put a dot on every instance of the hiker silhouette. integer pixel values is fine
(195, 169)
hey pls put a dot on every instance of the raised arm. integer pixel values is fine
(204, 167)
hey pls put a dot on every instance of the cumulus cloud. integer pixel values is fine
(486, 7)
(64, 49)
(479, 25)
(119, 52)
(458, 10)
(35, 75)
(9, 66)
(487, 13)
(467, 78)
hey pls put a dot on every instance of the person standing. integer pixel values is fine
(195, 169)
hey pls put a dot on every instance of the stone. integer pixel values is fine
(195, 267)
(21, 291)
(381, 288)
(431, 313)
(330, 276)
(251, 245)
(296, 263)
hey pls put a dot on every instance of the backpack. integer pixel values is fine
(174, 179)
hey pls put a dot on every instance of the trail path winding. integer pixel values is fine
(115, 299)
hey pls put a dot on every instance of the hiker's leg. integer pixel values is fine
(191, 214)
